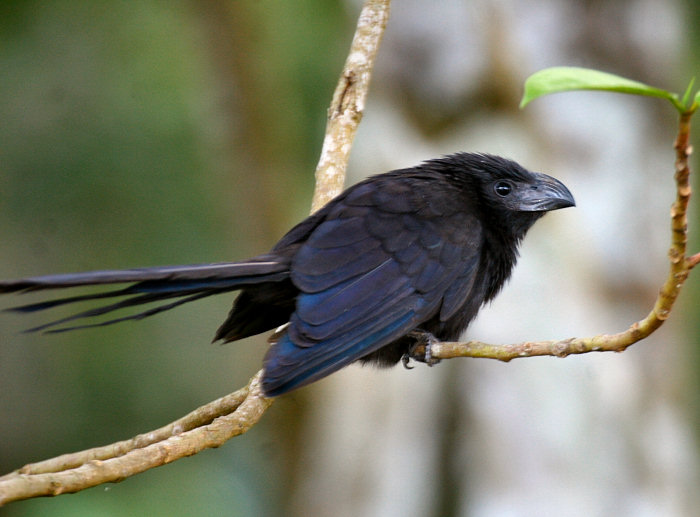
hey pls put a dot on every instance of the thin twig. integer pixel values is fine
(679, 268)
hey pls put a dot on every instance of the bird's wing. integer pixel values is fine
(387, 258)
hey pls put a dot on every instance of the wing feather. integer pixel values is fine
(362, 286)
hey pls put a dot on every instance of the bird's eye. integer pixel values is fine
(502, 188)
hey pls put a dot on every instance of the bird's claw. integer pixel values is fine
(421, 339)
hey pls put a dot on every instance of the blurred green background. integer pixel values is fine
(147, 133)
(150, 133)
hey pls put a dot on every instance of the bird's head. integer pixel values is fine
(506, 184)
(509, 195)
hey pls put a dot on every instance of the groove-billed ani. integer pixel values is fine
(410, 253)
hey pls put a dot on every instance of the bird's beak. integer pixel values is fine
(545, 194)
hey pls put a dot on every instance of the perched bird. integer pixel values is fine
(398, 259)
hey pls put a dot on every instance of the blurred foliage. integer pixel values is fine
(150, 133)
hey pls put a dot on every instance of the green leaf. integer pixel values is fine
(564, 79)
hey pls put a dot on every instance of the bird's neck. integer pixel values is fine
(500, 253)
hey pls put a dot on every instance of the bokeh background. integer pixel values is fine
(150, 133)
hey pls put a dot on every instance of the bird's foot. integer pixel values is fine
(421, 349)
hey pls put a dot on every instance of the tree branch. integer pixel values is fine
(348, 104)
(679, 269)
(185, 437)
(217, 422)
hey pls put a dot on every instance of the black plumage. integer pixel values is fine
(417, 249)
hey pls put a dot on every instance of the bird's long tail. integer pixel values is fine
(179, 284)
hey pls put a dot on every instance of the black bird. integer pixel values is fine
(397, 259)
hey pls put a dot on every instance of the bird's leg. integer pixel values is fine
(421, 339)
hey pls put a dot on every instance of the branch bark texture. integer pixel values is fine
(348, 104)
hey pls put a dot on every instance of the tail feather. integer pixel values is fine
(46, 327)
(166, 275)
(50, 304)
(186, 283)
